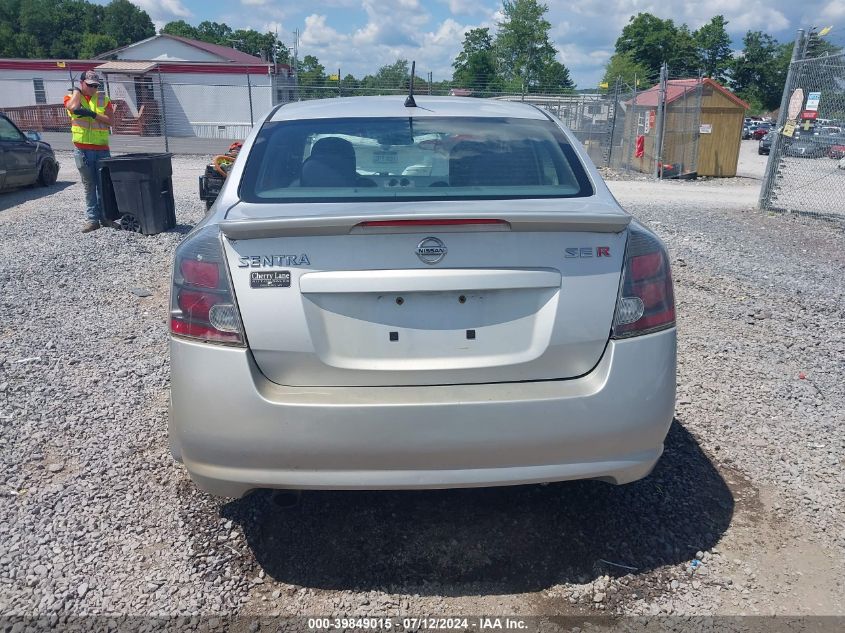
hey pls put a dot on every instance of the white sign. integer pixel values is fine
(705, 128)
(796, 101)
(813, 101)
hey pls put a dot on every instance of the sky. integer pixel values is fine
(359, 36)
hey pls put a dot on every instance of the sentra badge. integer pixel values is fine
(273, 261)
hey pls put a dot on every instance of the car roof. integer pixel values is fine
(394, 106)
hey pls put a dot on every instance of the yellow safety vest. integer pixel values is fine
(89, 133)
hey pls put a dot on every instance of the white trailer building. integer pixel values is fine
(162, 85)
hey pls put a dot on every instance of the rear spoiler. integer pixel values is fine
(345, 224)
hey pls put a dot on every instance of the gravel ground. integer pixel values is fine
(743, 515)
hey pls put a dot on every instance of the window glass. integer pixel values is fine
(40, 93)
(419, 158)
(9, 132)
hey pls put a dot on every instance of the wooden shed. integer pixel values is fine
(703, 128)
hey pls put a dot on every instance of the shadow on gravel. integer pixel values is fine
(182, 229)
(473, 541)
(14, 197)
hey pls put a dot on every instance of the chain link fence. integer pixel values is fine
(151, 113)
(805, 173)
(621, 129)
(160, 112)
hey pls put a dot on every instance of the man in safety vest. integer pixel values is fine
(90, 114)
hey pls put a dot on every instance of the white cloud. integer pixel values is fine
(398, 27)
(832, 13)
(273, 27)
(255, 3)
(164, 10)
(464, 7)
(318, 34)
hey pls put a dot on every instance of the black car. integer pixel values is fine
(765, 145)
(805, 148)
(24, 158)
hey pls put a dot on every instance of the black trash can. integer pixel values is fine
(138, 192)
(210, 185)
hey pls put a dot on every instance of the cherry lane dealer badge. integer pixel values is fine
(270, 279)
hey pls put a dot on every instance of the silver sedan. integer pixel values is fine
(437, 295)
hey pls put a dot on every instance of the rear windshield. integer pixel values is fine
(333, 160)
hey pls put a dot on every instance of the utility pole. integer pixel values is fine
(296, 62)
(430, 80)
(659, 122)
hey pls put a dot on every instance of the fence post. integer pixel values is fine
(634, 127)
(163, 112)
(249, 91)
(615, 107)
(696, 139)
(774, 152)
(659, 123)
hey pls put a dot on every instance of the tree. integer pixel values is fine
(758, 74)
(714, 48)
(475, 65)
(40, 20)
(9, 12)
(651, 41)
(311, 75)
(259, 44)
(622, 67)
(349, 85)
(395, 75)
(67, 45)
(525, 53)
(816, 46)
(67, 29)
(554, 77)
(126, 23)
(180, 28)
(94, 44)
(81, 16)
(14, 44)
(214, 33)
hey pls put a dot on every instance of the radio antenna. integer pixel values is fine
(409, 101)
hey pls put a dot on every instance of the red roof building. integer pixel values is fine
(702, 131)
(678, 88)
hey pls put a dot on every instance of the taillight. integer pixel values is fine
(646, 302)
(202, 304)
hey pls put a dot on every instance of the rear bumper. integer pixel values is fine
(235, 431)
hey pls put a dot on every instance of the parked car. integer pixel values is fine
(438, 295)
(836, 149)
(833, 143)
(24, 158)
(805, 148)
(765, 145)
(760, 131)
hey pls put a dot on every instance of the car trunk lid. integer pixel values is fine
(499, 291)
